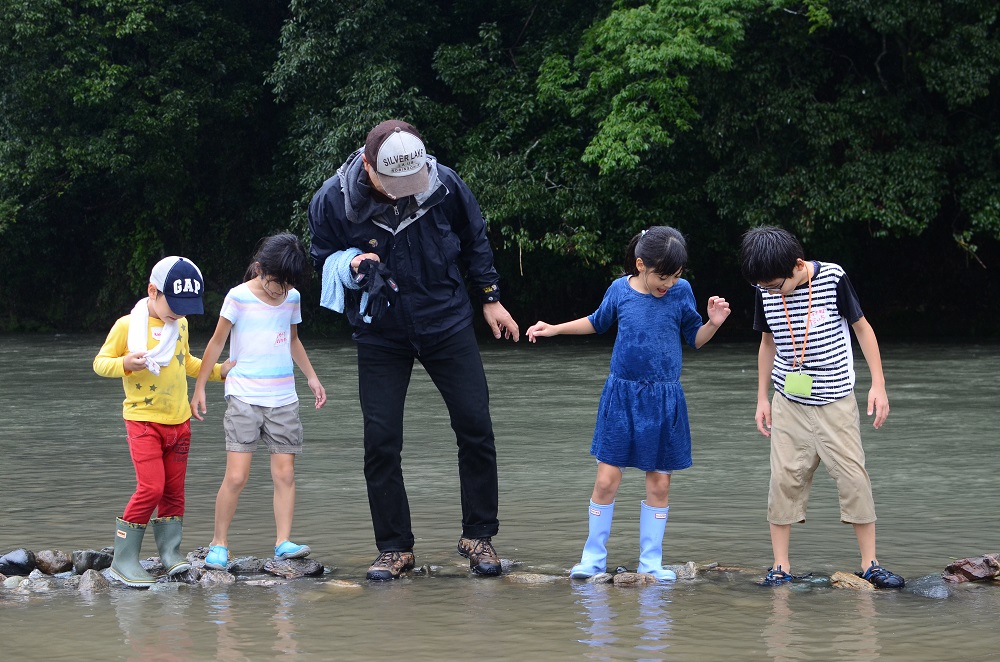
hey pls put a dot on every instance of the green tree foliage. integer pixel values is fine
(130, 129)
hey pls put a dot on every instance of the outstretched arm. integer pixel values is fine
(302, 360)
(578, 327)
(878, 400)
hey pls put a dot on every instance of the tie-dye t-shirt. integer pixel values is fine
(260, 343)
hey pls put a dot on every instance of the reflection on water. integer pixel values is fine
(65, 474)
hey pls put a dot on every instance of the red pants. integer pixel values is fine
(160, 455)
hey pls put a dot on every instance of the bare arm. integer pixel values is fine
(878, 400)
(578, 327)
(718, 311)
(765, 363)
(302, 360)
(208, 360)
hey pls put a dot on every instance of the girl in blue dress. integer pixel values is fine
(642, 418)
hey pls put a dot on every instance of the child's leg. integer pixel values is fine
(609, 478)
(866, 543)
(237, 472)
(602, 510)
(147, 450)
(781, 535)
(283, 476)
(657, 489)
(652, 524)
(175, 460)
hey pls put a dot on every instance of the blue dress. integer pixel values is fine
(642, 419)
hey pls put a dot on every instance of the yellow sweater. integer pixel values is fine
(148, 397)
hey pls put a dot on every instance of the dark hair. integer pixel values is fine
(662, 249)
(768, 253)
(281, 257)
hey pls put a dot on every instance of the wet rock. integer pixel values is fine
(190, 576)
(265, 582)
(931, 586)
(12, 582)
(850, 580)
(18, 562)
(601, 578)
(531, 578)
(216, 577)
(3, 578)
(92, 580)
(507, 565)
(335, 584)
(89, 559)
(52, 562)
(634, 579)
(246, 565)
(37, 582)
(73, 581)
(293, 568)
(973, 569)
(687, 571)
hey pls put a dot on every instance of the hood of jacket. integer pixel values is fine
(359, 203)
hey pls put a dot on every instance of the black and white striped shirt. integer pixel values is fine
(829, 357)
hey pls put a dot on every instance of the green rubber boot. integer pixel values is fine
(167, 533)
(125, 567)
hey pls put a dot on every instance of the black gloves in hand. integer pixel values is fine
(376, 279)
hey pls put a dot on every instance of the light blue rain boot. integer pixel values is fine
(595, 552)
(652, 522)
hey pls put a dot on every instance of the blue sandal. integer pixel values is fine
(289, 550)
(217, 557)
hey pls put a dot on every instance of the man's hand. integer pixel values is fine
(500, 321)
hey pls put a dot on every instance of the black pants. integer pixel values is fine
(456, 368)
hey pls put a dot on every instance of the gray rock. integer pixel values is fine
(245, 565)
(634, 579)
(531, 578)
(52, 562)
(216, 577)
(89, 559)
(39, 583)
(17, 562)
(687, 571)
(92, 580)
(73, 581)
(12, 582)
(264, 582)
(293, 568)
(601, 578)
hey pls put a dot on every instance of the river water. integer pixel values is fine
(65, 474)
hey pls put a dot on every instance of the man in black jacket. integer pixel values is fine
(395, 205)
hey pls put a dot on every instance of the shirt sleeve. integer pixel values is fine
(477, 256)
(847, 301)
(109, 361)
(759, 318)
(607, 313)
(691, 320)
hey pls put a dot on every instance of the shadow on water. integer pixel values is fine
(65, 474)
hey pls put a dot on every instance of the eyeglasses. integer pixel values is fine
(770, 288)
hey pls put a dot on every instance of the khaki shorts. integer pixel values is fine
(246, 424)
(802, 436)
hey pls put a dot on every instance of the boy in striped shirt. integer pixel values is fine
(804, 311)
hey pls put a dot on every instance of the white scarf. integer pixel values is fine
(138, 332)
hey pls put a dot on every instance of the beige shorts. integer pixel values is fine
(246, 424)
(802, 436)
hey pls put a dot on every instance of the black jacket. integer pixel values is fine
(428, 242)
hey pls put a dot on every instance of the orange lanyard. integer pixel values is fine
(791, 333)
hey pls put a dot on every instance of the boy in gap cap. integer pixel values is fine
(148, 349)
